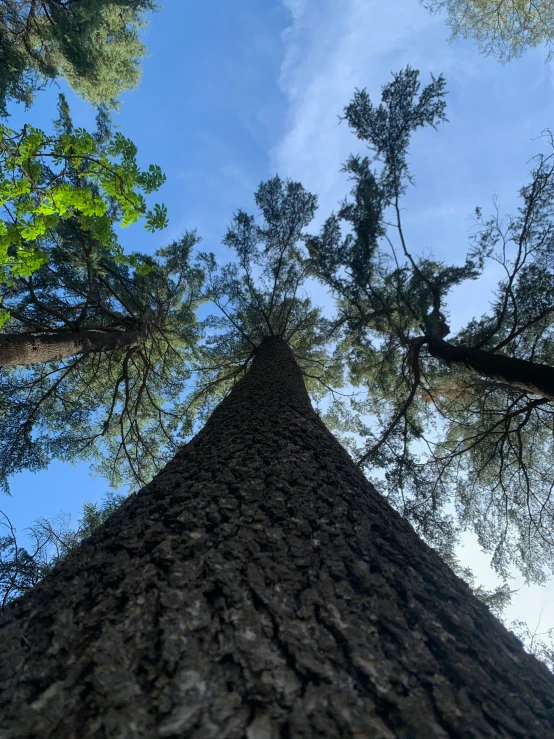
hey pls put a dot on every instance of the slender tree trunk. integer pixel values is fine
(519, 373)
(34, 348)
(260, 587)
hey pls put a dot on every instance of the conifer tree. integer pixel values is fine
(95, 342)
(504, 29)
(466, 419)
(94, 44)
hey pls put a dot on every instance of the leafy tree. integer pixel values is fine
(463, 434)
(95, 514)
(503, 28)
(19, 568)
(94, 44)
(497, 599)
(538, 641)
(92, 179)
(107, 333)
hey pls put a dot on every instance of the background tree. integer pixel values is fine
(19, 568)
(94, 44)
(110, 332)
(538, 641)
(464, 427)
(503, 28)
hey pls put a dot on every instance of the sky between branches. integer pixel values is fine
(233, 93)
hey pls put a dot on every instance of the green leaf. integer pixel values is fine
(71, 175)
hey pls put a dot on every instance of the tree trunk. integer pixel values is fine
(34, 348)
(260, 587)
(534, 378)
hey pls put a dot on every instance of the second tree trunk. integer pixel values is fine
(25, 349)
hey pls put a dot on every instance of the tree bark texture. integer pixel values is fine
(260, 587)
(26, 349)
(531, 377)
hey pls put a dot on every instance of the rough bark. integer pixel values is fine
(532, 377)
(260, 587)
(23, 349)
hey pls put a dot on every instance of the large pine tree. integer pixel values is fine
(259, 586)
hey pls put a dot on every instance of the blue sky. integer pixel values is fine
(233, 93)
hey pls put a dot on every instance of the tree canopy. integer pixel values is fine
(93, 180)
(120, 408)
(262, 293)
(460, 424)
(94, 44)
(502, 28)
(65, 277)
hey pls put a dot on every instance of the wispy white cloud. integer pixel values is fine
(331, 49)
(494, 112)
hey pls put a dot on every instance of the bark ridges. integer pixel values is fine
(260, 587)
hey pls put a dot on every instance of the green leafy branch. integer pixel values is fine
(45, 179)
